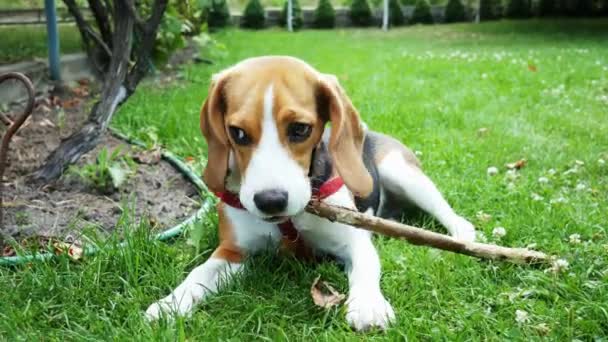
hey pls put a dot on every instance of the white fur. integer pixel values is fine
(408, 182)
(271, 167)
(202, 281)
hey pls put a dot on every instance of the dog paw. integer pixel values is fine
(367, 310)
(461, 229)
(168, 307)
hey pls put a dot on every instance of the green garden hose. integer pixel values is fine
(165, 235)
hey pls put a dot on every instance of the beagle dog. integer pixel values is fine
(278, 134)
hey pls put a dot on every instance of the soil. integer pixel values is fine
(155, 192)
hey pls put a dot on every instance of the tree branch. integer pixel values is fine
(101, 14)
(418, 236)
(133, 12)
(13, 128)
(144, 49)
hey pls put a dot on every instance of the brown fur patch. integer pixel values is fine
(227, 250)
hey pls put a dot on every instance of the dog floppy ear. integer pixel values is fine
(212, 127)
(347, 135)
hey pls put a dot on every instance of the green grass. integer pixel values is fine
(433, 88)
(19, 43)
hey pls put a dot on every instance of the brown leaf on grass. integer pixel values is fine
(149, 157)
(482, 132)
(73, 251)
(46, 123)
(322, 298)
(532, 67)
(82, 91)
(84, 81)
(8, 251)
(71, 103)
(189, 160)
(516, 165)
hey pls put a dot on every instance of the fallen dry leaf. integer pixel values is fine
(46, 123)
(482, 131)
(516, 165)
(8, 251)
(73, 251)
(189, 160)
(71, 103)
(532, 67)
(81, 91)
(324, 299)
(149, 157)
(84, 81)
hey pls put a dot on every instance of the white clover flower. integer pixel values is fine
(580, 187)
(511, 186)
(483, 217)
(559, 265)
(536, 197)
(484, 76)
(560, 199)
(601, 161)
(552, 172)
(543, 180)
(579, 162)
(418, 153)
(492, 171)
(512, 174)
(521, 317)
(574, 239)
(499, 232)
(480, 237)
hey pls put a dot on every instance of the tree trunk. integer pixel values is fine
(119, 84)
(385, 15)
(289, 15)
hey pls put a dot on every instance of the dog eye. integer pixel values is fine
(298, 132)
(239, 136)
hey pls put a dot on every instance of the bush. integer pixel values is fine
(454, 11)
(325, 16)
(395, 17)
(254, 15)
(219, 14)
(546, 8)
(360, 13)
(422, 13)
(518, 9)
(296, 15)
(488, 10)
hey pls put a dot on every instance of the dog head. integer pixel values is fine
(264, 117)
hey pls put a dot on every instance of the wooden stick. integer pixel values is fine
(418, 236)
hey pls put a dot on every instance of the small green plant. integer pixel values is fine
(395, 17)
(254, 15)
(454, 11)
(296, 15)
(422, 13)
(108, 173)
(360, 13)
(219, 14)
(22, 218)
(325, 15)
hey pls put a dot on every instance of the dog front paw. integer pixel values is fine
(461, 229)
(367, 310)
(169, 307)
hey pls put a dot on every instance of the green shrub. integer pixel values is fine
(546, 8)
(488, 10)
(219, 14)
(254, 15)
(360, 13)
(325, 16)
(422, 13)
(408, 2)
(454, 11)
(518, 9)
(395, 17)
(296, 15)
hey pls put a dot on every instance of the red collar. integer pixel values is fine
(289, 232)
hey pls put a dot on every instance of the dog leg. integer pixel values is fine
(410, 183)
(202, 281)
(366, 306)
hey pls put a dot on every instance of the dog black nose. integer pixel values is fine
(271, 201)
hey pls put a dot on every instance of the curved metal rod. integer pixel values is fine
(14, 127)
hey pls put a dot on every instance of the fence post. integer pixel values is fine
(53, 39)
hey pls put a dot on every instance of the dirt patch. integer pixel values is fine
(155, 192)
